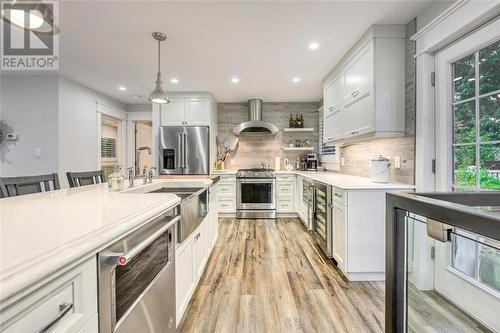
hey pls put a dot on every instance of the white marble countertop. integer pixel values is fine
(346, 182)
(42, 233)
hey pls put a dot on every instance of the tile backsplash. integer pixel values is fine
(251, 151)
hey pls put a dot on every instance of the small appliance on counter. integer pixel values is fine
(312, 162)
(380, 169)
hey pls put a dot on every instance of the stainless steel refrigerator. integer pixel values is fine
(184, 150)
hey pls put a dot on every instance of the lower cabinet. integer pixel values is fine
(192, 255)
(67, 303)
(339, 235)
(226, 194)
(285, 193)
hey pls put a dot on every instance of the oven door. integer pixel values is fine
(255, 193)
(137, 280)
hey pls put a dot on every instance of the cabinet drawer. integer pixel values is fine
(68, 302)
(285, 205)
(339, 195)
(285, 178)
(226, 189)
(285, 189)
(227, 179)
(227, 205)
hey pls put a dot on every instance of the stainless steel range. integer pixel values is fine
(255, 193)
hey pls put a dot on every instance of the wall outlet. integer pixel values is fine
(11, 137)
(38, 152)
(397, 162)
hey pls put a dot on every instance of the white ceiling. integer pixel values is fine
(105, 44)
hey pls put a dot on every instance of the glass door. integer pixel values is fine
(467, 157)
(320, 216)
(431, 295)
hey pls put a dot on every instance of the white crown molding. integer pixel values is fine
(456, 21)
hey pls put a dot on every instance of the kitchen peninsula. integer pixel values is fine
(53, 261)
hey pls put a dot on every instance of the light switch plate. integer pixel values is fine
(38, 152)
(397, 162)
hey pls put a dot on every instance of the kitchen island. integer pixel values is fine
(49, 242)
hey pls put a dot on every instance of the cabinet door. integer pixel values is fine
(197, 112)
(214, 218)
(184, 276)
(339, 235)
(334, 94)
(359, 114)
(172, 114)
(334, 125)
(359, 73)
(200, 249)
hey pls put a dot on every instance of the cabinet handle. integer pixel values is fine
(354, 133)
(330, 108)
(64, 308)
(355, 93)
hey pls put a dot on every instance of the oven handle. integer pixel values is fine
(256, 180)
(123, 259)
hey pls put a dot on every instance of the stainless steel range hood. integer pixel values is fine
(255, 126)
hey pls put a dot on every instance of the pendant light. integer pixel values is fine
(158, 95)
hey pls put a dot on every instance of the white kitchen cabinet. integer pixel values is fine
(339, 228)
(186, 112)
(334, 91)
(373, 88)
(197, 111)
(285, 193)
(213, 222)
(75, 290)
(226, 194)
(184, 276)
(333, 126)
(172, 114)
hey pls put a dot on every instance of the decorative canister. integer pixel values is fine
(380, 169)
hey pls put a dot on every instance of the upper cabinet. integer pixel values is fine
(186, 111)
(364, 96)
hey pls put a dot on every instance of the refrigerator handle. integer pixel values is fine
(184, 150)
(181, 152)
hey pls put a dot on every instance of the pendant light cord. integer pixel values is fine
(158, 56)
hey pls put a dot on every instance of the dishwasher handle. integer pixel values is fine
(123, 259)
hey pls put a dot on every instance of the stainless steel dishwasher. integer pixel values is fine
(137, 279)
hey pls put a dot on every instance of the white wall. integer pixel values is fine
(78, 128)
(29, 107)
(432, 11)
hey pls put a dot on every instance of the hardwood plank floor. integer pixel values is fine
(269, 276)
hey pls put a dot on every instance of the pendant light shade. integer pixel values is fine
(158, 95)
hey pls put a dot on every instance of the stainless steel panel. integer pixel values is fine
(125, 278)
(170, 140)
(196, 151)
(155, 310)
(194, 209)
(256, 214)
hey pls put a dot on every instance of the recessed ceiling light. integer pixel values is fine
(235, 80)
(122, 88)
(174, 80)
(136, 96)
(296, 79)
(313, 46)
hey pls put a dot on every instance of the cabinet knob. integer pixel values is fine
(354, 133)
(330, 108)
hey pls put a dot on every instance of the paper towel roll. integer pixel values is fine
(277, 163)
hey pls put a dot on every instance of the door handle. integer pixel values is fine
(184, 143)
(181, 144)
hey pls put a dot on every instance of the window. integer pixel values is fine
(324, 149)
(476, 120)
(477, 257)
(110, 144)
